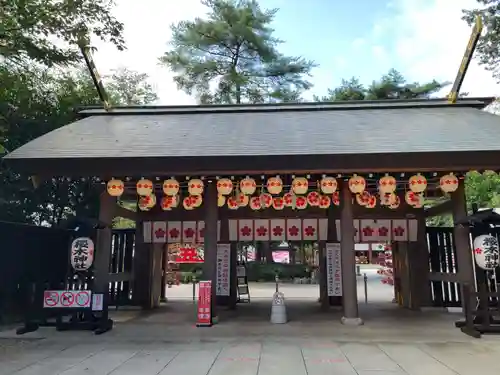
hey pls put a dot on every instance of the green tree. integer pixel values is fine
(488, 47)
(392, 85)
(128, 87)
(232, 56)
(32, 103)
(29, 29)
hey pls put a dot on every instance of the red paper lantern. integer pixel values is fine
(417, 183)
(255, 203)
(248, 186)
(289, 199)
(448, 183)
(232, 203)
(274, 185)
(278, 203)
(195, 186)
(328, 185)
(313, 198)
(171, 187)
(300, 185)
(357, 184)
(144, 187)
(224, 186)
(301, 203)
(324, 201)
(336, 198)
(387, 184)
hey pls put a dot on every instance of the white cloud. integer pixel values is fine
(147, 32)
(430, 40)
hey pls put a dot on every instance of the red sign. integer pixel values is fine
(67, 299)
(50, 299)
(188, 255)
(204, 304)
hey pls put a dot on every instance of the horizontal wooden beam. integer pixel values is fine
(440, 209)
(121, 276)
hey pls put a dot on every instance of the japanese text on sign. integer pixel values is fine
(204, 313)
(333, 269)
(82, 253)
(223, 269)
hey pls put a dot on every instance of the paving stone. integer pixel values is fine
(277, 358)
(368, 357)
(191, 362)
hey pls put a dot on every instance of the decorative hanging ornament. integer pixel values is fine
(274, 185)
(336, 198)
(221, 200)
(242, 200)
(195, 186)
(289, 199)
(417, 183)
(255, 203)
(224, 186)
(144, 187)
(486, 252)
(363, 198)
(232, 203)
(301, 203)
(328, 185)
(396, 203)
(266, 200)
(115, 187)
(357, 184)
(248, 186)
(313, 198)
(278, 203)
(171, 187)
(324, 201)
(144, 203)
(387, 184)
(152, 201)
(300, 185)
(188, 203)
(197, 200)
(414, 199)
(448, 183)
(372, 202)
(168, 202)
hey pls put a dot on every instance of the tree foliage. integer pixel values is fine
(128, 87)
(34, 102)
(232, 56)
(392, 85)
(488, 47)
(47, 31)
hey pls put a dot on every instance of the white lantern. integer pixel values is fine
(395, 204)
(300, 185)
(266, 200)
(387, 184)
(188, 203)
(372, 202)
(224, 186)
(195, 186)
(486, 252)
(242, 200)
(301, 203)
(171, 187)
(248, 186)
(289, 198)
(255, 203)
(357, 184)
(221, 200)
(82, 253)
(278, 203)
(144, 187)
(197, 200)
(274, 185)
(417, 183)
(324, 201)
(232, 203)
(448, 183)
(115, 187)
(336, 198)
(313, 198)
(328, 185)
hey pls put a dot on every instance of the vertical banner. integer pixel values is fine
(204, 312)
(223, 266)
(333, 270)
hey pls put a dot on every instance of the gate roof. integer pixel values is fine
(424, 135)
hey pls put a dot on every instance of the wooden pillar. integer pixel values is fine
(142, 264)
(103, 252)
(461, 237)
(233, 277)
(210, 245)
(349, 284)
(421, 285)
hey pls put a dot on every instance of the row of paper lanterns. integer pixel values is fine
(300, 185)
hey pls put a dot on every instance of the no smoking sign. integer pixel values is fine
(67, 299)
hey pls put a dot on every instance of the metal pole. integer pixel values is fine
(358, 270)
(194, 288)
(365, 281)
(276, 278)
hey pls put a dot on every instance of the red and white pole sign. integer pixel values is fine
(204, 304)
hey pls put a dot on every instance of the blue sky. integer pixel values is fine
(424, 39)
